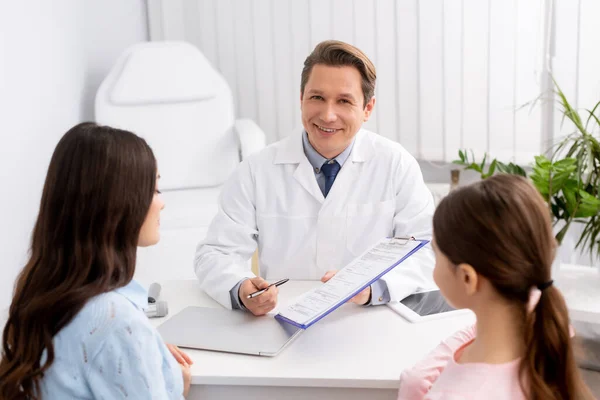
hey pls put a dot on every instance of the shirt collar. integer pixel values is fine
(135, 293)
(317, 160)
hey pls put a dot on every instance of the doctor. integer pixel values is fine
(317, 199)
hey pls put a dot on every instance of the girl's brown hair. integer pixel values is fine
(501, 226)
(98, 190)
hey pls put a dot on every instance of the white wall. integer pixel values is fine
(53, 56)
(451, 74)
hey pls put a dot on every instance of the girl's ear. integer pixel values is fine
(468, 278)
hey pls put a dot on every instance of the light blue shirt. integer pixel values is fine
(379, 290)
(317, 160)
(111, 351)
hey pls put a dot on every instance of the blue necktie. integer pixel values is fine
(330, 169)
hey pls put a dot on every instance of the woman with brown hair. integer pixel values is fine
(494, 250)
(76, 326)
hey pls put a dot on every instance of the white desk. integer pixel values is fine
(354, 353)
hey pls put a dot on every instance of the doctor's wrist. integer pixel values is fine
(368, 302)
(236, 300)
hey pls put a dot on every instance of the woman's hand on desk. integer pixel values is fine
(361, 299)
(181, 357)
(261, 304)
(187, 379)
(184, 361)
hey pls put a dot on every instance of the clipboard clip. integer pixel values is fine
(401, 241)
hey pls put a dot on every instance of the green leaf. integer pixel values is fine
(589, 200)
(571, 200)
(491, 170)
(474, 167)
(589, 205)
(566, 163)
(502, 167)
(518, 170)
(542, 186)
(592, 115)
(482, 165)
(541, 173)
(560, 179)
(543, 162)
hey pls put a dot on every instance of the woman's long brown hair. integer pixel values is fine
(98, 190)
(501, 227)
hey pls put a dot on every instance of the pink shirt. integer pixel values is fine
(439, 377)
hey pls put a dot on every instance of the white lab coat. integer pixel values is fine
(273, 200)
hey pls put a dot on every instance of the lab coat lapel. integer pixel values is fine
(349, 175)
(305, 176)
(292, 152)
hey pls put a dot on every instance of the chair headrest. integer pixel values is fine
(163, 72)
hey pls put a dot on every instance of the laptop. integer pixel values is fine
(230, 331)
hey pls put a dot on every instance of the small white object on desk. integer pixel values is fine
(157, 309)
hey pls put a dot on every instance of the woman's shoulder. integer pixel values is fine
(103, 318)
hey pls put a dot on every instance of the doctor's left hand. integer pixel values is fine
(361, 299)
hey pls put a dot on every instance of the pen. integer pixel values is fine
(279, 283)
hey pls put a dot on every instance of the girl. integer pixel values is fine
(76, 328)
(494, 250)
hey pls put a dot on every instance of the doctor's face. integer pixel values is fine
(332, 108)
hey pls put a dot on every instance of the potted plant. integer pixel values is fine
(569, 180)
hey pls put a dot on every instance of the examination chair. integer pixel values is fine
(169, 94)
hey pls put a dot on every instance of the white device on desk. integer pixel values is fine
(229, 331)
(153, 293)
(157, 309)
(424, 306)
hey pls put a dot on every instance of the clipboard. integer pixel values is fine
(400, 241)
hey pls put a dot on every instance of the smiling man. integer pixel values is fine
(316, 200)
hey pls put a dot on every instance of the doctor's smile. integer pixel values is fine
(326, 130)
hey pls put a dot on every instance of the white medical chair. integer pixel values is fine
(169, 94)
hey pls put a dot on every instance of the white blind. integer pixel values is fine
(450, 73)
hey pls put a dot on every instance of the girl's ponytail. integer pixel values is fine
(501, 226)
(548, 370)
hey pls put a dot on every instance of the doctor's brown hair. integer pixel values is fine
(501, 227)
(98, 190)
(338, 54)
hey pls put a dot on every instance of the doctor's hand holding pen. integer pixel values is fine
(258, 303)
